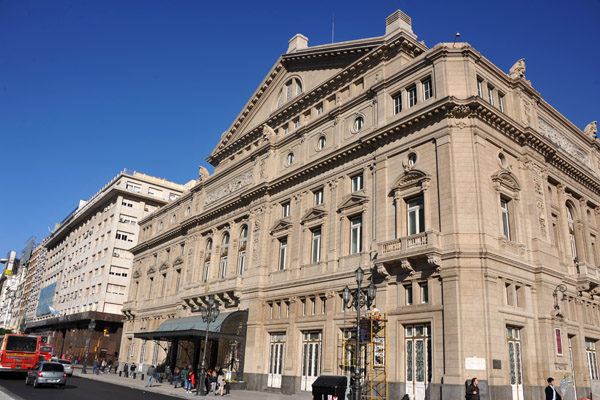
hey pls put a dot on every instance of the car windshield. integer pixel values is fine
(53, 367)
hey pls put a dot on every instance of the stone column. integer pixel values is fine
(586, 246)
(562, 220)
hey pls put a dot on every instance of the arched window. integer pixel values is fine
(224, 256)
(292, 88)
(571, 224)
(207, 255)
(242, 251)
(174, 218)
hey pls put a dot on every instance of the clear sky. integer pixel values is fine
(88, 88)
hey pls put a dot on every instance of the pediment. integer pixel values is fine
(151, 270)
(506, 179)
(410, 178)
(313, 214)
(163, 266)
(352, 200)
(281, 225)
(136, 274)
(178, 260)
(314, 66)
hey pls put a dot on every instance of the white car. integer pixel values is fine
(68, 366)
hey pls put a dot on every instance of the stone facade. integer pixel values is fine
(465, 196)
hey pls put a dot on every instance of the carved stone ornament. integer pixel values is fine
(460, 111)
(136, 274)
(203, 173)
(163, 266)
(434, 260)
(565, 144)
(591, 130)
(410, 178)
(242, 180)
(507, 180)
(517, 71)
(382, 271)
(268, 133)
(405, 265)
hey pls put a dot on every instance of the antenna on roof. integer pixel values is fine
(332, 23)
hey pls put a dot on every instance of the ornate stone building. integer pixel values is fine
(471, 202)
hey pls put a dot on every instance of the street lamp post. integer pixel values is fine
(209, 314)
(358, 301)
(560, 288)
(91, 327)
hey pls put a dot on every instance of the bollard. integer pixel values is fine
(120, 372)
(142, 376)
(134, 375)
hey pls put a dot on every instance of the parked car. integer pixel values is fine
(47, 373)
(68, 366)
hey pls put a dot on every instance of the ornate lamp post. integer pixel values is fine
(91, 327)
(358, 301)
(560, 288)
(209, 314)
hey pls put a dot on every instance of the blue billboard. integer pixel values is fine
(45, 301)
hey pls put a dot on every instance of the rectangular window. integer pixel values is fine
(313, 306)
(168, 254)
(415, 216)
(408, 294)
(501, 102)
(480, 88)
(278, 309)
(355, 235)
(424, 292)
(397, 104)
(491, 95)
(285, 209)
(323, 305)
(412, 96)
(316, 246)
(296, 123)
(163, 289)
(427, 89)
(287, 309)
(592, 359)
(177, 280)
(303, 307)
(133, 187)
(357, 182)
(282, 253)
(286, 130)
(319, 108)
(318, 197)
(505, 218)
(271, 310)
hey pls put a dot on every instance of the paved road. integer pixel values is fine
(77, 388)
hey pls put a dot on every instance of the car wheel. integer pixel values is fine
(35, 384)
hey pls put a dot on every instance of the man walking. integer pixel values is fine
(151, 372)
(551, 393)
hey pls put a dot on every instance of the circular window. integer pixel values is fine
(290, 158)
(412, 159)
(502, 160)
(321, 143)
(359, 122)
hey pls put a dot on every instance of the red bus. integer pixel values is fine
(46, 351)
(18, 353)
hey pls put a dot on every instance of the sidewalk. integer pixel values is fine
(167, 389)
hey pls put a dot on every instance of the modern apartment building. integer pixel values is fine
(88, 263)
(470, 202)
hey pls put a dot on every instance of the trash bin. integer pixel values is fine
(331, 387)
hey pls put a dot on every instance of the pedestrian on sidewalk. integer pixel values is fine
(95, 367)
(213, 381)
(103, 367)
(110, 365)
(126, 370)
(151, 373)
(131, 370)
(175, 377)
(207, 380)
(190, 380)
(221, 383)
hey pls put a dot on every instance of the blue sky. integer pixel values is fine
(88, 88)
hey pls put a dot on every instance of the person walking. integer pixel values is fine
(95, 366)
(473, 390)
(126, 370)
(221, 383)
(151, 374)
(175, 377)
(183, 377)
(190, 380)
(207, 381)
(551, 393)
(132, 370)
(213, 381)
(103, 366)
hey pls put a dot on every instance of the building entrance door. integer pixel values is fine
(277, 348)
(515, 365)
(418, 360)
(311, 359)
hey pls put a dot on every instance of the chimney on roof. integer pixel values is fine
(396, 22)
(298, 42)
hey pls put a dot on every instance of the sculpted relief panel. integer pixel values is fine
(233, 185)
(565, 144)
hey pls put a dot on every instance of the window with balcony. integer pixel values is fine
(504, 210)
(282, 253)
(415, 210)
(207, 255)
(224, 256)
(356, 235)
(571, 225)
(242, 250)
